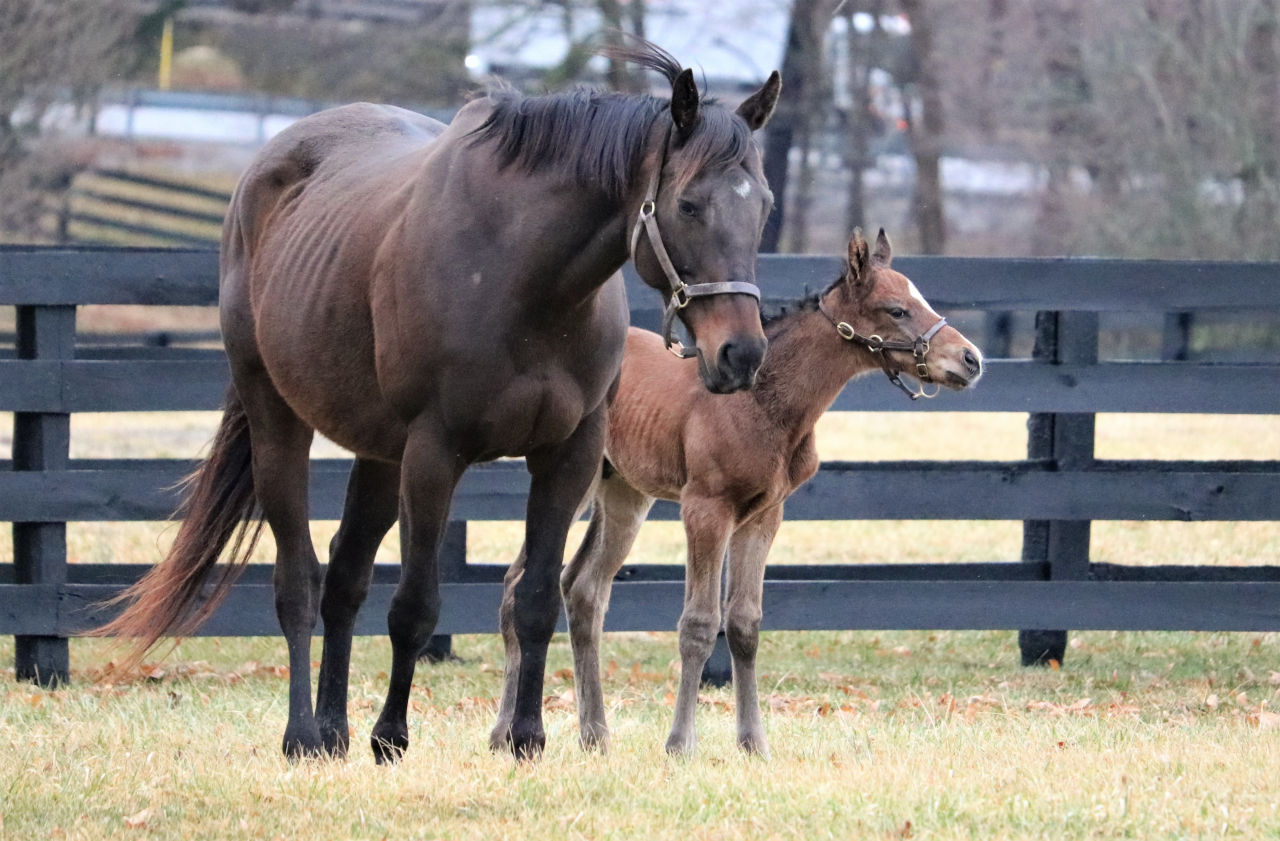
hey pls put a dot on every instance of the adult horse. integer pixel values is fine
(732, 462)
(432, 296)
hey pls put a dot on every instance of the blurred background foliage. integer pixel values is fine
(969, 127)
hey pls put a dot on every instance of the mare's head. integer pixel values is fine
(881, 309)
(700, 217)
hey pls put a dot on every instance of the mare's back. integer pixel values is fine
(347, 160)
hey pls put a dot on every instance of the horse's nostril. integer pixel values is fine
(742, 357)
(971, 360)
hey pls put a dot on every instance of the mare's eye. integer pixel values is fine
(687, 208)
(897, 312)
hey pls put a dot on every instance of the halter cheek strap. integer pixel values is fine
(681, 292)
(919, 348)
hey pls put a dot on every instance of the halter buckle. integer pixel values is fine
(875, 343)
(846, 331)
(922, 372)
(680, 296)
(647, 209)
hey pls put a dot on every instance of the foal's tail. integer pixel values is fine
(219, 507)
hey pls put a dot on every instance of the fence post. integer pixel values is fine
(453, 568)
(1067, 440)
(42, 441)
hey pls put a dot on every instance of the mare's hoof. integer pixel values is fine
(336, 741)
(527, 743)
(302, 743)
(388, 748)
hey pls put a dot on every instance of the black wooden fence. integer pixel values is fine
(1056, 491)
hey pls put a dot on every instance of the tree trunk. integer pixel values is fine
(926, 134)
(794, 115)
(1058, 33)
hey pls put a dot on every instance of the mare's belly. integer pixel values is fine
(530, 412)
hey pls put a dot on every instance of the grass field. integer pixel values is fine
(874, 734)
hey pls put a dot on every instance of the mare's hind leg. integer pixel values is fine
(281, 450)
(373, 497)
(748, 551)
(619, 512)
(561, 476)
(707, 523)
(429, 472)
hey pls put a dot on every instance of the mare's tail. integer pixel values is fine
(219, 507)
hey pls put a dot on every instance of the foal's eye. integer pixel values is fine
(897, 312)
(687, 208)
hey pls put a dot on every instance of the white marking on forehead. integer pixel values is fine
(743, 189)
(915, 293)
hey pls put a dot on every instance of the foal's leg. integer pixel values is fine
(429, 472)
(707, 524)
(500, 736)
(370, 510)
(747, 554)
(619, 512)
(281, 451)
(561, 476)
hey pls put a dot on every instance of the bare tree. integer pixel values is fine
(803, 80)
(51, 52)
(926, 132)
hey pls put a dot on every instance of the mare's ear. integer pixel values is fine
(684, 102)
(883, 254)
(857, 273)
(758, 108)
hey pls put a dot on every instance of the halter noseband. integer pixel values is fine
(919, 350)
(681, 292)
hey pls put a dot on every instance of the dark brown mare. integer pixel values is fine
(732, 462)
(431, 296)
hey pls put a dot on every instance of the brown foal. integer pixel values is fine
(732, 461)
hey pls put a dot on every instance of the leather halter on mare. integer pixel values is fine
(681, 292)
(919, 350)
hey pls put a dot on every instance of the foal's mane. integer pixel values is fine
(777, 322)
(598, 137)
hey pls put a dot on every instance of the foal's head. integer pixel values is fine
(880, 309)
(705, 190)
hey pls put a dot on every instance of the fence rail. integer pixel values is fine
(51, 372)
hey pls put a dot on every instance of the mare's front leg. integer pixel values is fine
(429, 472)
(561, 476)
(708, 522)
(748, 552)
(373, 497)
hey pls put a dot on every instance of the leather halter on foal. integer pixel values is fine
(681, 292)
(919, 348)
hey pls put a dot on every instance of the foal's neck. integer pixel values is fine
(807, 365)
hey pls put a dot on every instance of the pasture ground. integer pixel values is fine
(874, 734)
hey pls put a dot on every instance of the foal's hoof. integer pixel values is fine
(593, 739)
(754, 746)
(500, 738)
(680, 745)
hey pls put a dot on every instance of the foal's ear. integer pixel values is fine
(684, 102)
(859, 261)
(758, 108)
(883, 254)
